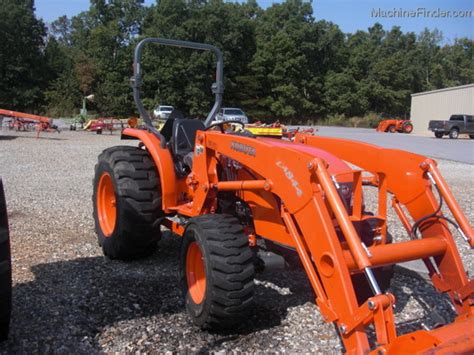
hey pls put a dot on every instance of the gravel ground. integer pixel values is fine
(69, 298)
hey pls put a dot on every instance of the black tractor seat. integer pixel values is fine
(182, 143)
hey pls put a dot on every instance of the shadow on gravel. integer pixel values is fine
(275, 294)
(69, 305)
(7, 138)
(42, 137)
(434, 309)
(70, 302)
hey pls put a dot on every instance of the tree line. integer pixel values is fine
(280, 63)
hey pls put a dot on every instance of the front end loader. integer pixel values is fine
(227, 194)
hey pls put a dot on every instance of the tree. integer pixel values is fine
(22, 60)
(280, 63)
(294, 55)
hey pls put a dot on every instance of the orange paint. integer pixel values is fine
(106, 205)
(294, 189)
(195, 273)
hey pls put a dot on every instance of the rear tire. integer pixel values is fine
(127, 203)
(471, 136)
(5, 269)
(217, 271)
(454, 133)
(392, 129)
(439, 135)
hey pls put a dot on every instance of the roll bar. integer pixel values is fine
(217, 87)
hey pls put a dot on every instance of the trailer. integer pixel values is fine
(23, 122)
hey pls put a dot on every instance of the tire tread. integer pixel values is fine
(139, 188)
(231, 262)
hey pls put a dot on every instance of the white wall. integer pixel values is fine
(440, 105)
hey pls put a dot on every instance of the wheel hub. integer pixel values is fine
(195, 273)
(106, 205)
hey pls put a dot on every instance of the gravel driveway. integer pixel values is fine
(69, 299)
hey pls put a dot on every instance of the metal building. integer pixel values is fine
(440, 105)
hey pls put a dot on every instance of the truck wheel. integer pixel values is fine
(407, 127)
(5, 269)
(127, 203)
(454, 133)
(439, 135)
(217, 271)
(392, 128)
(471, 136)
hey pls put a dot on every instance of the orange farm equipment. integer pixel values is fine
(290, 133)
(99, 125)
(393, 126)
(276, 130)
(265, 130)
(232, 193)
(21, 121)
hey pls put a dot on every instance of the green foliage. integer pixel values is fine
(280, 63)
(22, 62)
(370, 120)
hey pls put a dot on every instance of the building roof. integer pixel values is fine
(442, 90)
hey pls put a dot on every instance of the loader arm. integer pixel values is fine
(304, 177)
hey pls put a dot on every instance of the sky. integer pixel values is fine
(349, 15)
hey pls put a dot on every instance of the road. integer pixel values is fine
(461, 150)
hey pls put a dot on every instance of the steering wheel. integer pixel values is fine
(222, 123)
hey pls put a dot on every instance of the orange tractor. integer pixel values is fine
(228, 194)
(393, 126)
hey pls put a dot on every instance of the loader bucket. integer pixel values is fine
(454, 338)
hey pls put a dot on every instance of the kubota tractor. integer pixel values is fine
(227, 193)
(393, 126)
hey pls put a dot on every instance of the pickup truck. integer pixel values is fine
(457, 124)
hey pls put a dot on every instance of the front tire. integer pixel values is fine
(439, 135)
(217, 271)
(392, 129)
(5, 269)
(454, 133)
(127, 203)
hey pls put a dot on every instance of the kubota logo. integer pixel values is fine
(243, 148)
(289, 174)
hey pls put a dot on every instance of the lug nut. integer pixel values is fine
(343, 329)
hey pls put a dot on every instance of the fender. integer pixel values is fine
(163, 162)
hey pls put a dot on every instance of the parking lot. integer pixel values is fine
(68, 298)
